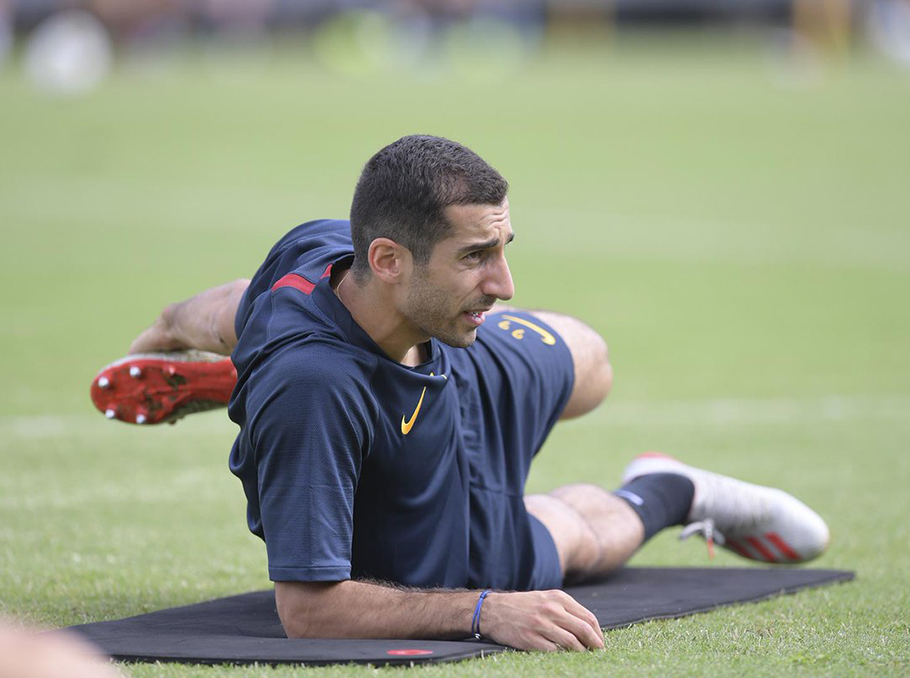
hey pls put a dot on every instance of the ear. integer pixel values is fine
(389, 261)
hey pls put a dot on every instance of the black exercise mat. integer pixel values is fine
(245, 629)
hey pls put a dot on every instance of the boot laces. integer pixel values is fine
(727, 507)
(708, 531)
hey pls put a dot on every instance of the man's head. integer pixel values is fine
(467, 273)
(430, 220)
(404, 190)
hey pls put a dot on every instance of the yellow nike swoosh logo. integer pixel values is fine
(406, 425)
(545, 336)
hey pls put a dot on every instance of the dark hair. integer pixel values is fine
(404, 189)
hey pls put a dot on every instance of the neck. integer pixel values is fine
(372, 308)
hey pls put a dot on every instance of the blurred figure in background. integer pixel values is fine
(237, 19)
(68, 53)
(30, 654)
(431, 37)
(133, 20)
(889, 28)
(6, 29)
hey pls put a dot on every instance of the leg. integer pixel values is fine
(176, 366)
(593, 372)
(755, 522)
(204, 322)
(594, 531)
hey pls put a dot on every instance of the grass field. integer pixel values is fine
(743, 244)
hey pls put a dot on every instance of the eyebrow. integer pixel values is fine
(483, 245)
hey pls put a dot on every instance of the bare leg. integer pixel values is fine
(204, 322)
(594, 531)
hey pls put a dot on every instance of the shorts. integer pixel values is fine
(513, 385)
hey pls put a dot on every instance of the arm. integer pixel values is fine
(532, 620)
(204, 322)
(309, 415)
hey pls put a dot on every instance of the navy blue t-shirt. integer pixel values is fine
(355, 465)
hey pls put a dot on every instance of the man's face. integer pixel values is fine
(466, 274)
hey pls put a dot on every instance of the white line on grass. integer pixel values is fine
(63, 425)
(755, 410)
(617, 412)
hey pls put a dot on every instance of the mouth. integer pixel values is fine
(476, 318)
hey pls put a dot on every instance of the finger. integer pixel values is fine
(564, 639)
(544, 644)
(580, 628)
(537, 642)
(581, 612)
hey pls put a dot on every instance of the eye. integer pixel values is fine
(474, 256)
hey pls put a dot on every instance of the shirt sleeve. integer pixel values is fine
(309, 427)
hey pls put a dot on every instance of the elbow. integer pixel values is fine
(294, 614)
(298, 605)
(296, 626)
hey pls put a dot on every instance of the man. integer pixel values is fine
(389, 413)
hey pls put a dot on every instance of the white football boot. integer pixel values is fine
(759, 523)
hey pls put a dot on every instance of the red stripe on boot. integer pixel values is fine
(736, 546)
(781, 545)
(758, 546)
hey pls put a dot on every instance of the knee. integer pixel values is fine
(593, 376)
(578, 495)
(603, 370)
(575, 543)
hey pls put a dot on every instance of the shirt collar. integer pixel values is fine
(329, 303)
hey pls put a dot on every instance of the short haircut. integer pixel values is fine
(404, 189)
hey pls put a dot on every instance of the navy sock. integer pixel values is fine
(659, 499)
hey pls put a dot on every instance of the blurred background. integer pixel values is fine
(71, 45)
(721, 187)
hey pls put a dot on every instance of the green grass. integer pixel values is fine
(743, 245)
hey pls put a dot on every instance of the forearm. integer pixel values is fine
(354, 609)
(528, 620)
(204, 322)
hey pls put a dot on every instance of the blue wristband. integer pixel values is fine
(475, 621)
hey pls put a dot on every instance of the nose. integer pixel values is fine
(499, 281)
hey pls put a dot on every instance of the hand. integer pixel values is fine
(540, 620)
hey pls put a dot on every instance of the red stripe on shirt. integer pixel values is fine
(298, 282)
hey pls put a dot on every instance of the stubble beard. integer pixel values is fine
(430, 310)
